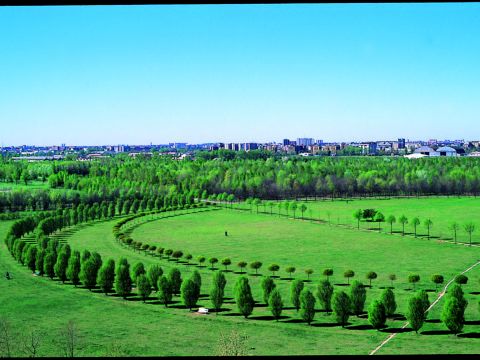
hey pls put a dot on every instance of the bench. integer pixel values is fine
(203, 310)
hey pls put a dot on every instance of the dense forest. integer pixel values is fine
(261, 176)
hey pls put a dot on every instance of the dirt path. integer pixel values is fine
(431, 306)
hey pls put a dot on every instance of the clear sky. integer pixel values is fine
(135, 74)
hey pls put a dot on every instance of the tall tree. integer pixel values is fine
(469, 228)
(324, 294)
(307, 305)
(403, 220)
(377, 316)
(144, 287)
(358, 296)
(164, 292)
(296, 288)
(106, 276)
(415, 222)
(243, 296)
(275, 303)
(341, 305)
(267, 285)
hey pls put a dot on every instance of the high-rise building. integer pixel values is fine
(305, 141)
(286, 142)
(401, 143)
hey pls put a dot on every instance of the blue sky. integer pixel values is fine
(96, 75)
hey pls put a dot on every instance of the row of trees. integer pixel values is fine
(377, 216)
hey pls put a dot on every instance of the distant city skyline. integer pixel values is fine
(141, 74)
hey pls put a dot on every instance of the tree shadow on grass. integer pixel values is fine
(325, 325)
(433, 321)
(477, 322)
(472, 335)
(294, 321)
(436, 332)
(361, 327)
(391, 330)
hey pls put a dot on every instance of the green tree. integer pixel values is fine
(307, 305)
(413, 278)
(144, 287)
(175, 278)
(404, 221)
(296, 288)
(348, 274)
(39, 258)
(358, 215)
(49, 263)
(341, 305)
(73, 270)
(137, 269)
(379, 217)
(308, 271)
(415, 222)
(164, 292)
(242, 265)
(61, 265)
(267, 285)
(256, 265)
(154, 271)
(453, 315)
(391, 220)
(303, 208)
(293, 206)
(243, 296)
(290, 270)
(225, 262)
(358, 296)
(273, 268)
(327, 272)
(392, 278)
(123, 281)
(437, 279)
(188, 293)
(201, 259)
(377, 316)
(387, 297)
(371, 275)
(88, 273)
(461, 279)
(324, 295)
(32, 258)
(106, 276)
(217, 290)
(428, 223)
(454, 227)
(415, 313)
(275, 303)
(469, 228)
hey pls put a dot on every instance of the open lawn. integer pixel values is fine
(151, 330)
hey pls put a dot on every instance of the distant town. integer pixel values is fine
(301, 147)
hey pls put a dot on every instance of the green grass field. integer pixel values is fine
(150, 330)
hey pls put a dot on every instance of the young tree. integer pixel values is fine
(256, 265)
(201, 259)
(308, 271)
(403, 220)
(358, 296)
(454, 227)
(453, 315)
(437, 279)
(371, 275)
(293, 206)
(377, 316)
(137, 269)
(392, 278)
(73, 270)
(341, 305)
(188, 293)
(225, 262)
(307, 305)
(415, 312)
(217, 290)
(415, 222)
(461, 279)
(267, 285)
(164, 292)
(428, 223)
(61, 265)
(387, 297)
(296, 288)
(273, 268)
(348, 274)
(358, 215)
(243, 296)
(123, 281)
(327, 272)
(324, 294)
(379, 217)
(144, 287)
(88, 273)
(303, 208)
(275, 303)
(242, 265)
(413, 278)
(469, 228)
(212, 261)
(391, 220)
(154, 271)
(175, 278)
(106, 276)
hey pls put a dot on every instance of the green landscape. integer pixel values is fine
(80, 211)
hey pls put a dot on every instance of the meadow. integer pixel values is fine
(109, 325)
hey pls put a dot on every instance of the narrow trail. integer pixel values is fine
(431, 306)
